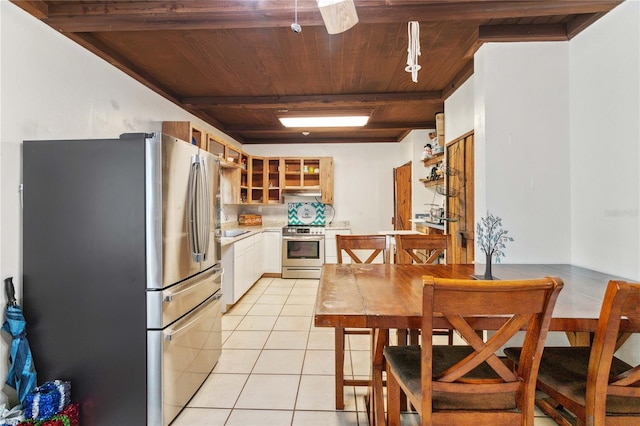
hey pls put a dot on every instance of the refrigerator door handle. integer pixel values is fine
(170, 333)
(194, 233)
(205, 220)
(170, 295)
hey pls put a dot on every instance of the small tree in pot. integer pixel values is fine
(491, 239)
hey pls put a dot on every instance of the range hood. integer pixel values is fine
(301, 192)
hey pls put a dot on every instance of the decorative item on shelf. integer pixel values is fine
(434, 173)
(436, 148)
(491, 239)
(427, 153)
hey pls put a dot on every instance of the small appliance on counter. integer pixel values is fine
(437, 214)
(250, 219)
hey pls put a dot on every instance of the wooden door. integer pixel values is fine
(402, 199)
(460, 199)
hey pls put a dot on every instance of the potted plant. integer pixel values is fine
(491, 238)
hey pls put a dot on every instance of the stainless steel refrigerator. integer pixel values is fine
(122, 273)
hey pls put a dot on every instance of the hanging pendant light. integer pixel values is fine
(338, 15)
(413, 50)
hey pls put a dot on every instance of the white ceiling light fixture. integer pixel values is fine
(325, 121)
(338, 15)
(413, 50)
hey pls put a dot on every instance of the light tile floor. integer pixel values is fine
(277, 368)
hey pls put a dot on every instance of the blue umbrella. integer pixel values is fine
(22, 374)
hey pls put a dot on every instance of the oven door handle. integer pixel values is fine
(298, 238)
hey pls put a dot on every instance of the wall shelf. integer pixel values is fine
(428, 182)
(437, 158)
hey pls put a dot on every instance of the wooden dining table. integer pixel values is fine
(389, 296)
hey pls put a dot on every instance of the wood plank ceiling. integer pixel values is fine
(238, 66)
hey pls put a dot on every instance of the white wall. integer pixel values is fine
(459, 111)
(561, 120)
(515, 106)
(524, 115)
(605, 143)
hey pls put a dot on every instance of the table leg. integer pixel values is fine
(376, 401)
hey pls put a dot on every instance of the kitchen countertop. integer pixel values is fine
(268, 226)
(429, 224)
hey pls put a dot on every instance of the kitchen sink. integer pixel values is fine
(233, 232)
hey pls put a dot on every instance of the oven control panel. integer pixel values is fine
(303, 230)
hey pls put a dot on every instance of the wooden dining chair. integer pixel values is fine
(471, 385)
(421, 248)
(590, 385)
(371, 246)
(424, 249)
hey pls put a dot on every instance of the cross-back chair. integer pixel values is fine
(590, 385)
(373, 246)
(471, 385)
(422, 248)
(425, 249)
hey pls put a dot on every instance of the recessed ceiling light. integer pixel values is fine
(325, 121)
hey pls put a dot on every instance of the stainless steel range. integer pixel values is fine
(302, 251)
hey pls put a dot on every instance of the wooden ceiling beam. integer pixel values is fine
(37, 8)
(580, 22)
(514, 33)
(103, 16)
(311, 101)
(459, 79)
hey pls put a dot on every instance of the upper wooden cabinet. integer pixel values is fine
(217, 147)
(187, 132)
(274, 181)
(309, 173)
(326, 179)
(258, 180)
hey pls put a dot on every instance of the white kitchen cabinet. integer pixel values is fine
(330, 251)
(272, 241)
(255, 259)
(243, 265)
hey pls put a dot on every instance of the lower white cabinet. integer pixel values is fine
(272, 240)
(243, 265)
(330, 250)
